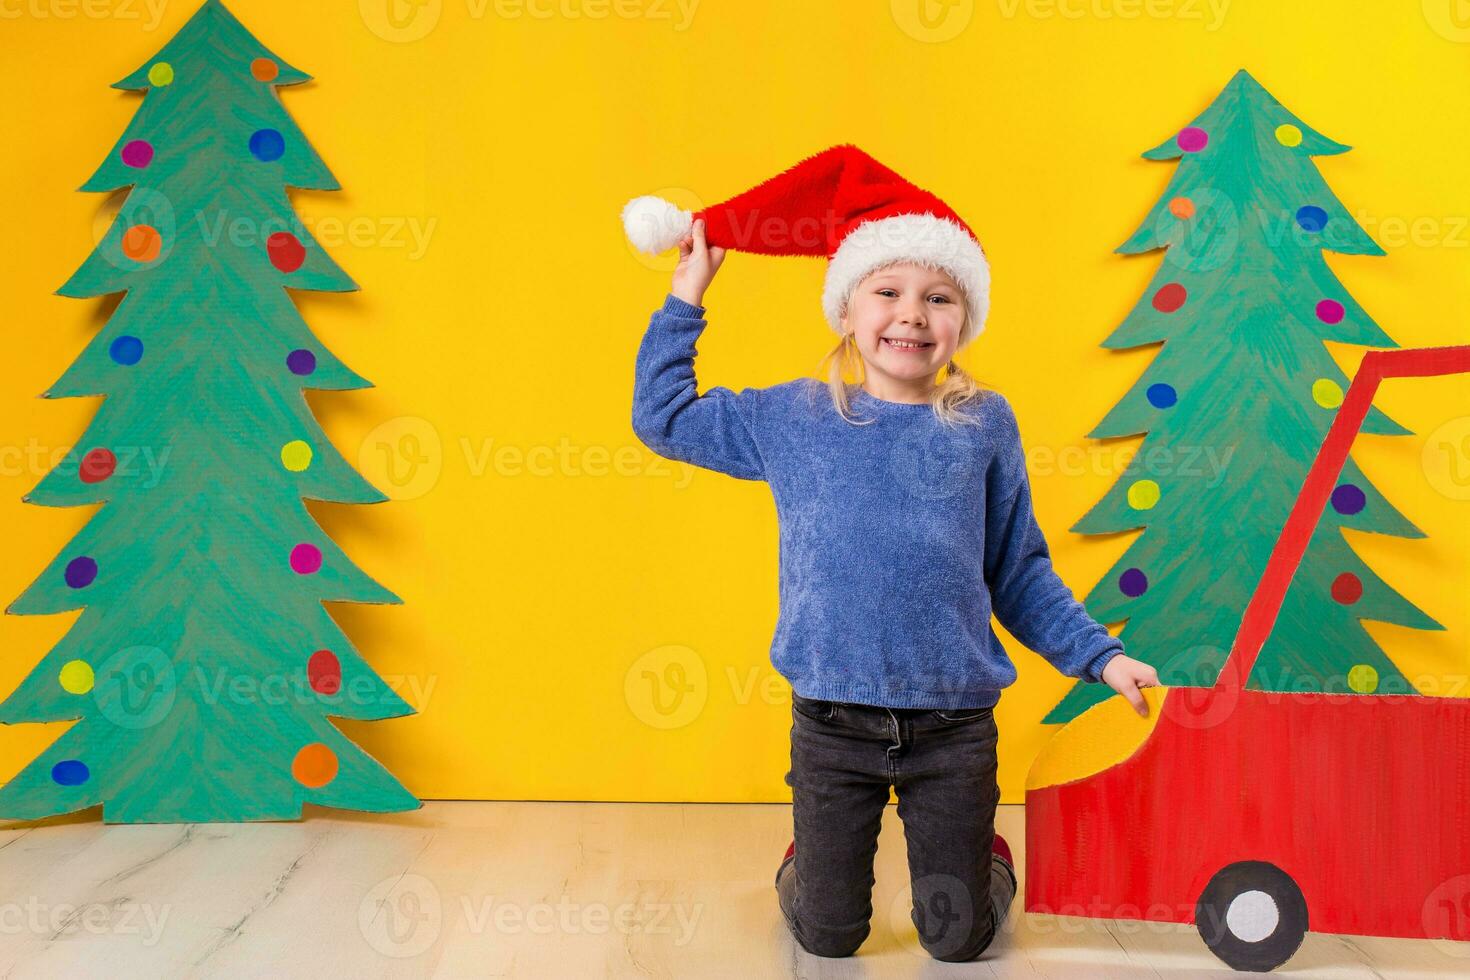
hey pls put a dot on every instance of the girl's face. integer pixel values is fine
(906, 320)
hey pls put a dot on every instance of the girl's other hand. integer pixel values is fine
(698, 264)
(1126, 675)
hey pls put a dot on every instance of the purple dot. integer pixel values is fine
(137, 153)
(305, 559)
(1133, 582)
(1192, 139)
(1348, 499)
(80, 572)
(301, 361)
(1329, 311)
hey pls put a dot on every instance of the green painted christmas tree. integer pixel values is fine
(204, 666)
(1234, 407)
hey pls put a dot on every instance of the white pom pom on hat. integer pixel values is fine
(839, 203)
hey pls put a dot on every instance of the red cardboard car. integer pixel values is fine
(1258, 816)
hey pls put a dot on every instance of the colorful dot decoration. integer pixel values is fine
(285, 250)
(1363, 679)
(1162, 395)
(264, 70)
(314, 766)
(142, 243)
(1133, 583)
(1288, 135)
(137, 153)
(324, 672)
(97, 465)
(1192, 139)
(1170, 297)
(162, 73)
(76, 677)
(1327, 393)
(126, 350)
(301, 361)
(70, 772)
(1348, 498)
(1143, 494)
(81, 572)
(1309, 217)
(1181, 208)
(306, 559)
(267, 145)
(1330, 311)
(1347, 588)
(296, 455)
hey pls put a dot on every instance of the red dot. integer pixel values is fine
(1170, 297)
(1347, 588)
(325, 672)
(97, 466)
(285, 251)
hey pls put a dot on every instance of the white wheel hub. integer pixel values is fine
(1252, 916)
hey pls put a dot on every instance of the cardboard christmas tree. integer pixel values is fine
(1240, 394)
(204, 667)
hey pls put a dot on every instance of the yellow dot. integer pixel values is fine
(1288, 135)
(76, 677)
(1143, 494)
(296, 455)
(1363, 679)
(1327, 393)
(161, 73)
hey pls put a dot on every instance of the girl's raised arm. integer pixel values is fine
(716, 430)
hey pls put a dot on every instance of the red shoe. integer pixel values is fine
(786, 861)
(1003, 849)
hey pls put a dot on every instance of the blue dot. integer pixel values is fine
(1162, 395)
(70, 772)
(1311, 218)
(267, 144)
(1348, 499)
(126, 350)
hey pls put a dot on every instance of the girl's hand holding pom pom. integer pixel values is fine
(698, 264)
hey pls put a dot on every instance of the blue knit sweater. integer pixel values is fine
(898, 539)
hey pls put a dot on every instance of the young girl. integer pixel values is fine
(905, 521)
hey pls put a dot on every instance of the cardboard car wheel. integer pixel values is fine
(1252, 916)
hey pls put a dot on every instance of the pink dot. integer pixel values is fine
(1329, 311)
(305, 559)
(137, 153)
(1192, 139)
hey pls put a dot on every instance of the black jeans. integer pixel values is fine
(844, 757)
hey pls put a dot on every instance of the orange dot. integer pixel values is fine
(142, 243)
(315, 765)
(264, 69)
(1181, 207)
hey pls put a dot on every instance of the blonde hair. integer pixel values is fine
(957, 388)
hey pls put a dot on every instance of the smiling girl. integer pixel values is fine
(906, 521)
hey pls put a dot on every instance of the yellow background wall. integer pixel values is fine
(553, 569)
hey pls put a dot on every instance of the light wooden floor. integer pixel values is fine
(526, 890)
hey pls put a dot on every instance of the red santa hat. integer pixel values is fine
(839, 203)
